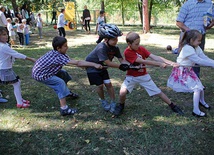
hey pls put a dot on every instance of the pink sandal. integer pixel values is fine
(23, 105)
(26, 101)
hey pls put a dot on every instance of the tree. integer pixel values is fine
(146, 26)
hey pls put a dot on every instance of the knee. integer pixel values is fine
(109, 85)
(123, 92)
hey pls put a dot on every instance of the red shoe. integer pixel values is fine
(23, 105)
(26, 101)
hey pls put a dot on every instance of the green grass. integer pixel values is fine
(147, 127)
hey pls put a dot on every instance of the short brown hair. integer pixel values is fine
(131, 37)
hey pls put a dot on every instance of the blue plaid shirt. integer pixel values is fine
(191, 14)
(49, 65)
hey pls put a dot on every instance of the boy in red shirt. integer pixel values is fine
(136, 55)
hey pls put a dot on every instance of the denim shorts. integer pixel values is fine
(58, 85)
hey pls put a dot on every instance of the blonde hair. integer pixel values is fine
(24, 20)
(9, 20)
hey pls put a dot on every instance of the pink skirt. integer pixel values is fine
(184, 79)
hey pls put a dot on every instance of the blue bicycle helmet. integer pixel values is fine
(109, 31)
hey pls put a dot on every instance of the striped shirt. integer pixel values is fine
(49, 65)
(191, 14)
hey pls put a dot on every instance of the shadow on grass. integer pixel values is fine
(148, 126)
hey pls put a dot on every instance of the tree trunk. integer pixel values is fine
(103, 8)
(150, 11)
(140, 11)
(102, 5)
(15, 6)
(145, 17)
(122, 9)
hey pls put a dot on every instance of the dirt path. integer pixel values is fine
(78, 38)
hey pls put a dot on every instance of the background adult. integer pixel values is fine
(191, 17)
(54, 13)
(25, 13)
(3, 20)
(87, 19)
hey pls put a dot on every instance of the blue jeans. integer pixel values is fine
(27, 39)
(58, 85)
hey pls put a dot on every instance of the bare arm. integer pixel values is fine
(149, 62)
(96, 28)
(163, 60)
(111, 64)
(83, 63)
(30, 59)
(211, 25)
(182, 26)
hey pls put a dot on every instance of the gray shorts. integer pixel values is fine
(144, 81)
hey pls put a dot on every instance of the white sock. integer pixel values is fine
(64, 107)
(196, 97)
(202, 99)
(17, 92)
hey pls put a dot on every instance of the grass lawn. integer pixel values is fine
(147, 127)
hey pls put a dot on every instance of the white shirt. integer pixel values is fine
(19, 29)
(190, 56)
(7, 56)
(61, 20)
(3, 21)
(100, 21)
(10, 29)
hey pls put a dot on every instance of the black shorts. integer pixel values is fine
(98, 78)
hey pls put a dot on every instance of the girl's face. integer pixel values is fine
(196, 42)
(3, 37)
(135, 44)
(113, 41)
(63, 49)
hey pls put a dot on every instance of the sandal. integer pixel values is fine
(23, 105)
(26, 101)
(68, 111)
(73, 95)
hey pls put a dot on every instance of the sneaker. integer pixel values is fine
(105, 105)
(177, 110)
(2, 100)
(68, 111)
(112, 107)
(118, 110)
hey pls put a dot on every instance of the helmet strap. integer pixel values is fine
(109, 44)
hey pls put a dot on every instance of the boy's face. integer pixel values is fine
(113, 41)
(3, 37)
(63, 49)
(135, 44)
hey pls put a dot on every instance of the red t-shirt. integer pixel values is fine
(131, 56)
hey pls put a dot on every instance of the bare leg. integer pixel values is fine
(110, 91)
(164, 98)
(123, 92)
(100, 92)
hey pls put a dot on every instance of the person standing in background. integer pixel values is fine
(190, 17)
(61, 23)
(100, 22)
(25, 14)
(3, 20)
(87, 19)
(54, 13)
(39, 24)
